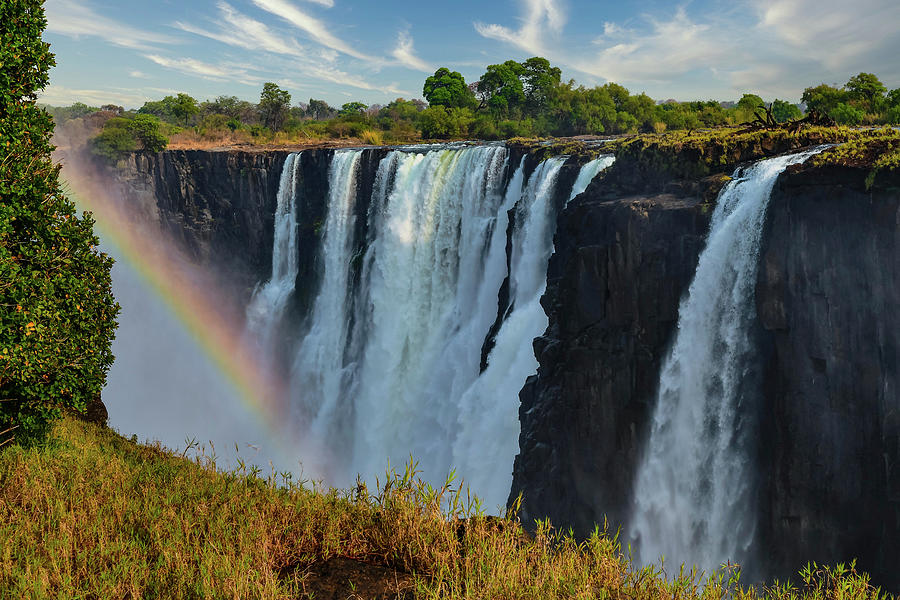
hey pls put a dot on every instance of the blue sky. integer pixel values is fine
(125, 52)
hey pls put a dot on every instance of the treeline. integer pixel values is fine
(511, 99)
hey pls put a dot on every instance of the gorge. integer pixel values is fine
(399, 291)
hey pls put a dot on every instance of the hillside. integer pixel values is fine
(94, 515)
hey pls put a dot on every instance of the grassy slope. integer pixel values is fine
(93, 515)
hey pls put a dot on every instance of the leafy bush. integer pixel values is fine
(121, 135)
(57, 312)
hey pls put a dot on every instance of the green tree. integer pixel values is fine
(501, 89)
(274, 104)
(867, 91)
(751, 102)
(448, 88)
(846, 114)
(352, 109)
(823, 98)
(439, 122)
(785, 111)
(540, 83)
(145, 129)
(115, 139)
(177, 110)
(57, 312)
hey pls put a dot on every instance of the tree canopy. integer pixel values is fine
(448, 88)
(274, 103)
(57, 312)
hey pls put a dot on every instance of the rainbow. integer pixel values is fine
(191, 294)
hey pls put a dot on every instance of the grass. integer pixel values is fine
(94, 515)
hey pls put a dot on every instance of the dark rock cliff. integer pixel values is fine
(218, 206)
(828, 295)
(613, 288)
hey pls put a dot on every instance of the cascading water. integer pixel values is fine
(269, 300)
(694, 491)
(390, 362)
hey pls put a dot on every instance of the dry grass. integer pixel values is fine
(94, 515)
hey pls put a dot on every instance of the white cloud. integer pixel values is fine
(406, 54)
(138, 74)
(315, 28)
(221, 72)
(58, 95)
(838, 34)
(669, 49)
(237, 29)
(325, 3)
(539, 15)
(75, 19)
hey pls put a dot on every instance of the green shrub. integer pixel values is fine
(57, 312)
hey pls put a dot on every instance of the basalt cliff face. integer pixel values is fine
(827, 291)
(827, 295)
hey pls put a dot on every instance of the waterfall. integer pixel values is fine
(269, 300)
(588, 172)
(390, 363)
(694, 492)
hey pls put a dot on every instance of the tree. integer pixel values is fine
(319, 110)
(145, 129)
(448, 88)
(823, 99)
(846, 114)
(867, 90)
(57, 312)
(352, 109)
(274, 104)
(177, 110)
(501, 89)
(540, 82)
(785, 111)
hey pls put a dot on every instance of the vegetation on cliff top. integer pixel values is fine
(93, 515)
(57, 312)
(511, 99)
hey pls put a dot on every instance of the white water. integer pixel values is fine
(694, 492)
(269, 301)
(390, 365)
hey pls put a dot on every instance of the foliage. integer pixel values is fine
(57, 313)
(274, 103)
(177, 110)
(352, 109)
(320, 110)
(448, 88)
(438, 122)
(785, 111)
(845, 114)
(867, 90)
(501, 89)
(511, 99)
(93, 515)
(877, 150)
(121, 135)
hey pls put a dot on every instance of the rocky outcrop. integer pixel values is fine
(613, 288)
(828, 296)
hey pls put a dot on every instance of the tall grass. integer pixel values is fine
(93, 515)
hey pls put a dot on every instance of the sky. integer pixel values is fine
(126, 52)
